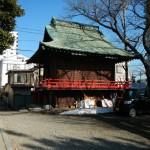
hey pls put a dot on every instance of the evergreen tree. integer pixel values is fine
(9, 10)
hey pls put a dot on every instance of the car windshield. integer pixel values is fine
(144, 92)
(129, 94)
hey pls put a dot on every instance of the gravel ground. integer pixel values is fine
(36, 131)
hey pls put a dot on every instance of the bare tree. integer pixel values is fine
(128, 19)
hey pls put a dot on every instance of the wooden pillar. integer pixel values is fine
(39, 73)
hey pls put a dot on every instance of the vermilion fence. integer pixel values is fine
(83, 84)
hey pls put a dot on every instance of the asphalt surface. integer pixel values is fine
(28, 131)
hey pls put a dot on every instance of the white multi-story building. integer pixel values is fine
(11, 60)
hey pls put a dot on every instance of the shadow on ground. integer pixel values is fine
(139, 126)
(65, 143)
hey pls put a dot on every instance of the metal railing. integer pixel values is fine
(83, 84)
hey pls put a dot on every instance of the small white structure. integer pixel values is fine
(17, 62)
(11, 60)
(120, 74)
(17, 92)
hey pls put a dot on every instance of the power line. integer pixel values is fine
(28, 50)
(29, 32)
(24, 50)
(28, 29)
(28, 40)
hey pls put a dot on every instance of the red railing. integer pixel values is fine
(83, 84)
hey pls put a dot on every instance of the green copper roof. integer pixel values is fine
(74, 36)
(77, 39)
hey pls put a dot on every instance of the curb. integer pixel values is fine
(5, 138)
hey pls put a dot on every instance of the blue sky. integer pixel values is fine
(39, 13)
(30, 27)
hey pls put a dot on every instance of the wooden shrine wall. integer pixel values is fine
(80, 69)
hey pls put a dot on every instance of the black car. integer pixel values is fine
(133, 102)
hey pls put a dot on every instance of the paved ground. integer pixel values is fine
(2, 144)
(28, 131)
